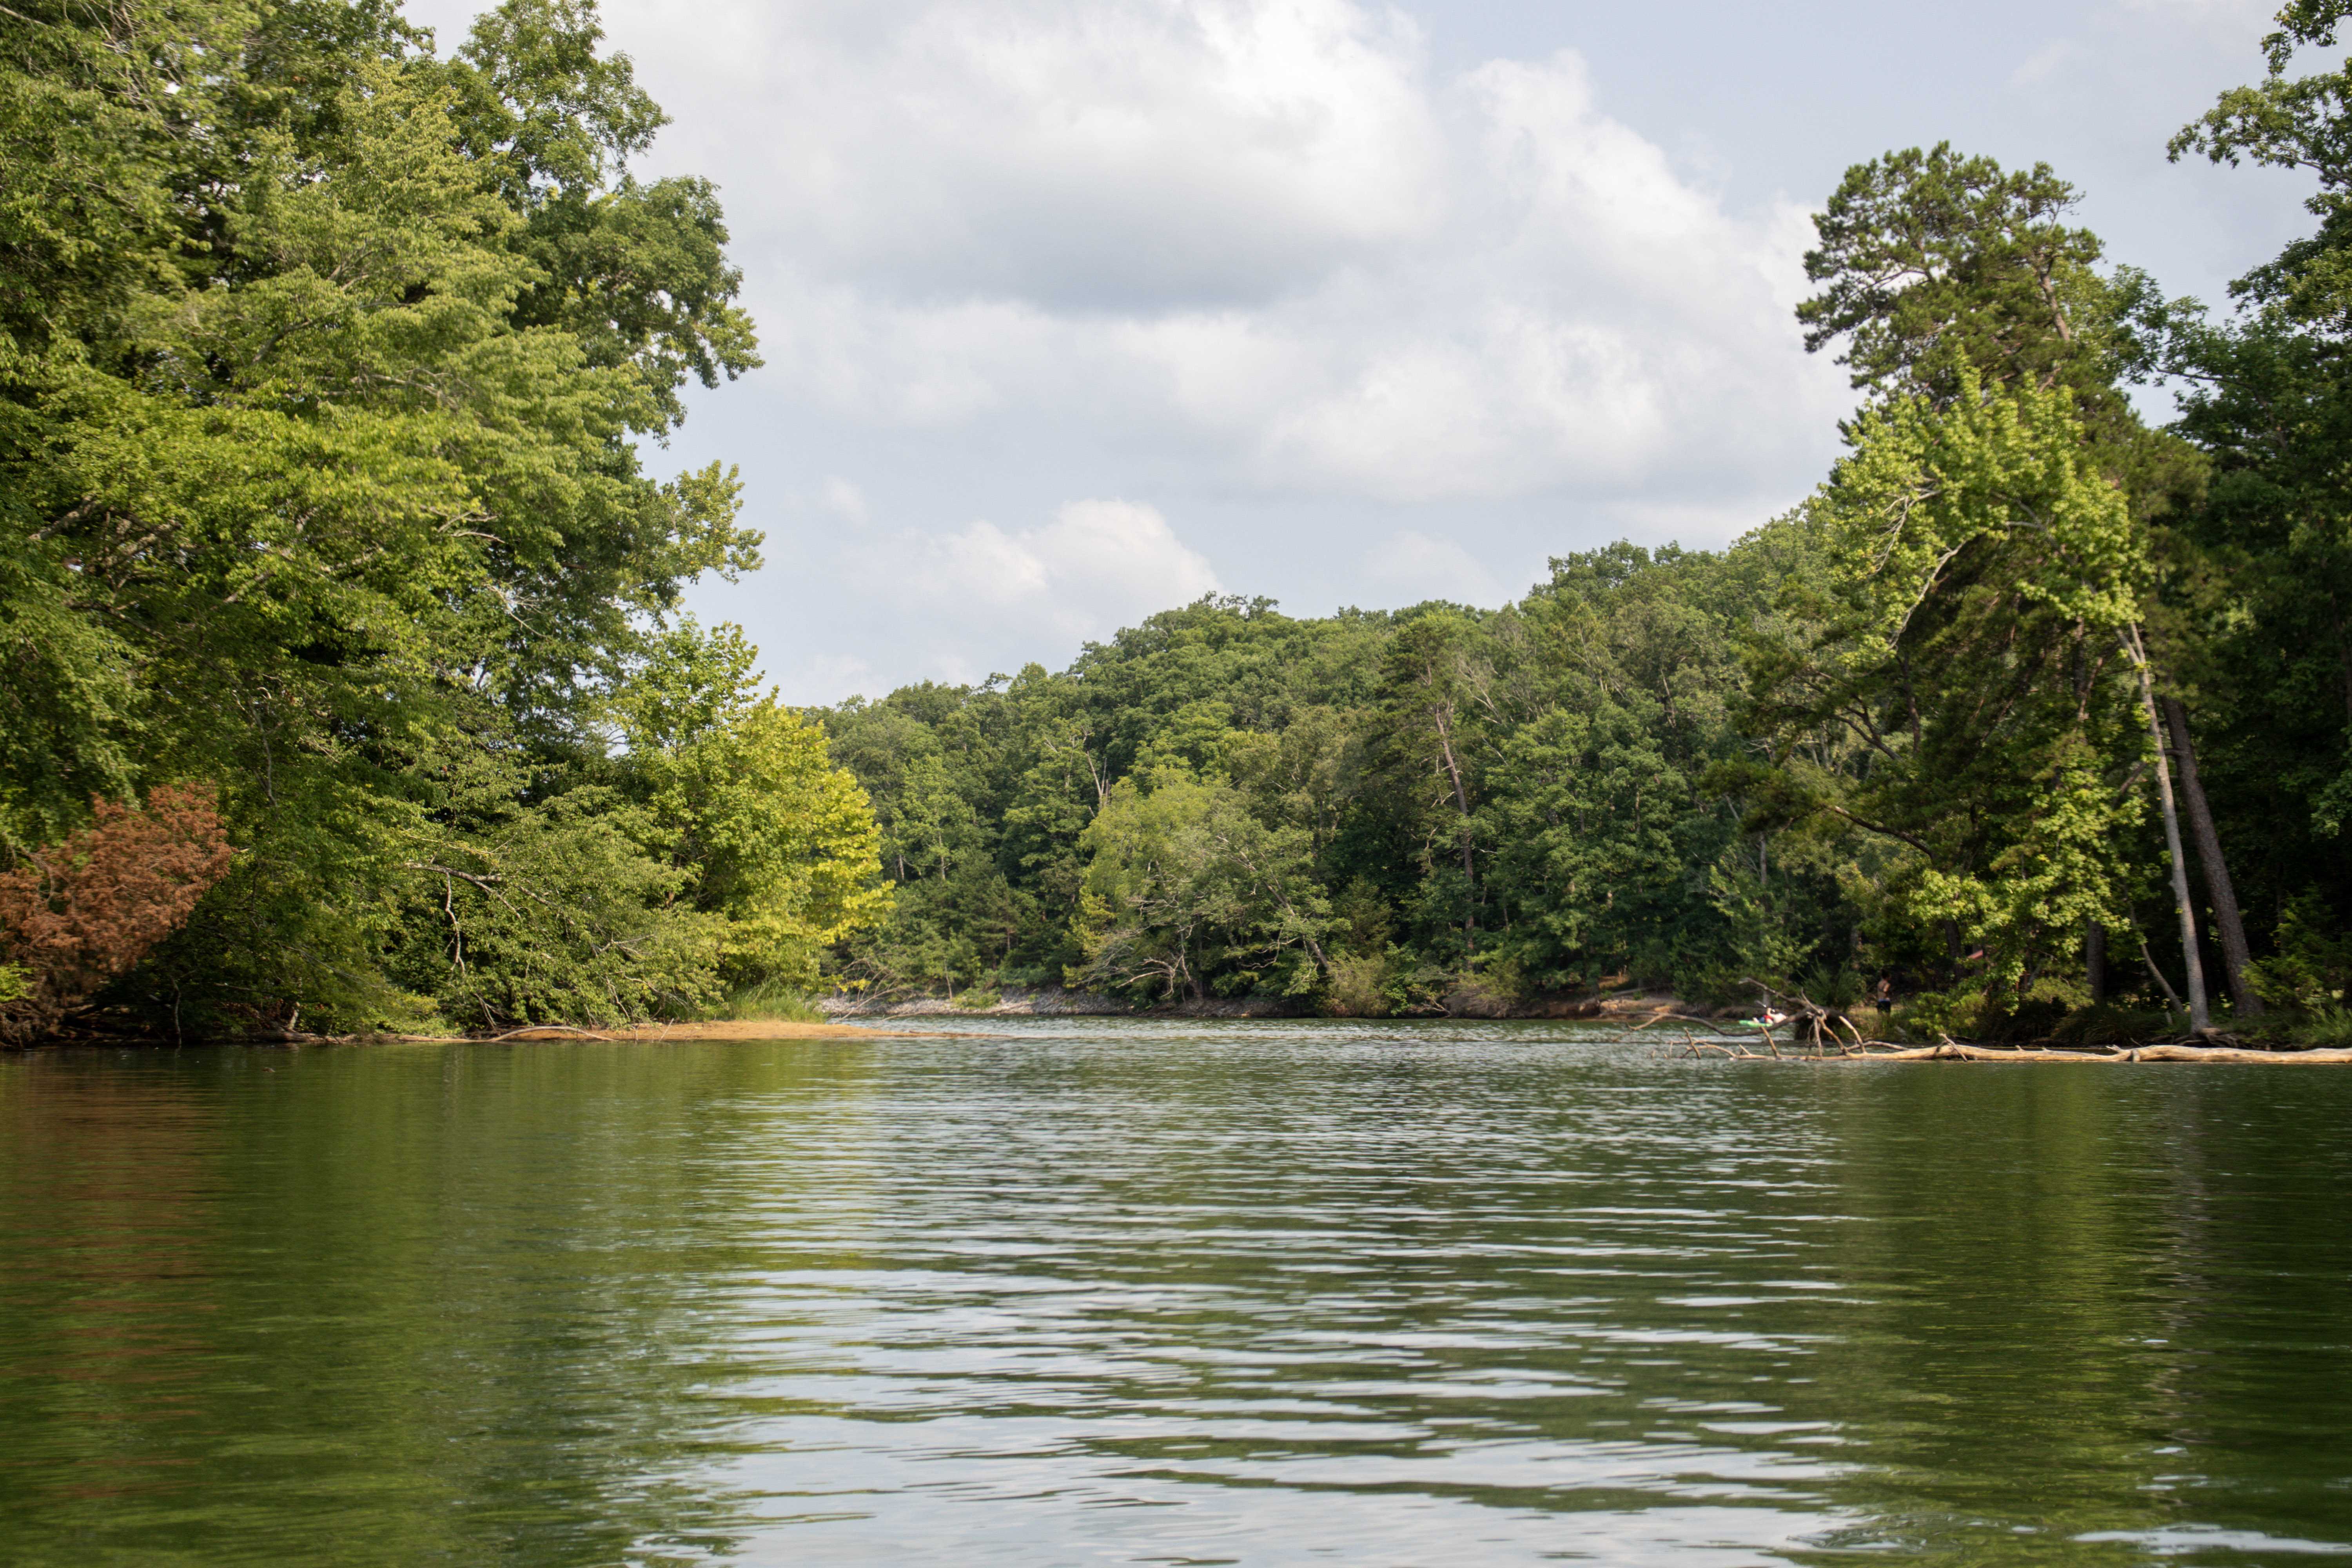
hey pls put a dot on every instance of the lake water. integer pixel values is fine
(1168, 1293)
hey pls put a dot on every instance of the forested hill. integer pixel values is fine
(1378, 808)
(1628, 776)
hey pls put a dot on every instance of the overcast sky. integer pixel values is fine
(1075, 309)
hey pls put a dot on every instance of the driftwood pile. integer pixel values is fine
(1829, 1034)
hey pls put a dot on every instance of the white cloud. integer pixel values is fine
(1083, 154)
(2244, 14)
(1096, 566)
(843, 500)
(1262, 233)
(2045, 62)
(1413, 567)
(817, 679)
(2103, 40)
(1271, 264)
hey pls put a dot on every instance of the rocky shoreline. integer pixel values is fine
(1055, 1002)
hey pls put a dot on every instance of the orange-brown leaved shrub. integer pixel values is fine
(80, 912)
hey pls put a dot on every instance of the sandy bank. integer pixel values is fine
(721, 1029)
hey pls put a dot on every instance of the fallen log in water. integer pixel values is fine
(1951, 1051)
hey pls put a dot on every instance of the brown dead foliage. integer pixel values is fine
(78, 913)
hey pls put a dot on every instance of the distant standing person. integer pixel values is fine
(1884, 998)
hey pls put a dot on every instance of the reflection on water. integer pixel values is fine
(1096, 1293)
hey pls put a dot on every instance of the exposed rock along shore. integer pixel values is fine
(1054, 1001)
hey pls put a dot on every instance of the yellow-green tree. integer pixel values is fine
(1974, 642)
(739, 795)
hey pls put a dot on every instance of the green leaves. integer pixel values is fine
(2065, 869)
(1931, 259)
(552, 912)
(636, 274)
(738, 798)
(1185, 887)
(2007, 474)
(1959, 695)
(323, 367)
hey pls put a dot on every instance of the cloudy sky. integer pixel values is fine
(1075, 310)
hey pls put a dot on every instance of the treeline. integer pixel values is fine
(1375, 810)
(341, 684)
(2033, 707)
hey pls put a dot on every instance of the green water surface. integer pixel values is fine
(1168, 1293)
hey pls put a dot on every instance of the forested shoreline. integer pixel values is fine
(346, 687)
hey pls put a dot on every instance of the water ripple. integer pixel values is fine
(1165, 1293)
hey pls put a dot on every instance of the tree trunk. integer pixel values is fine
(2227, 924)
(1462, 805)
(2200, 1016)
(2344, 656)
(2094, 963)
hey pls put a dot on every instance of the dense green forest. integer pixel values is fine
(341, 681)
(344, 683)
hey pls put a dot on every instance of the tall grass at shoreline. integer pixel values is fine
(768, 1000)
